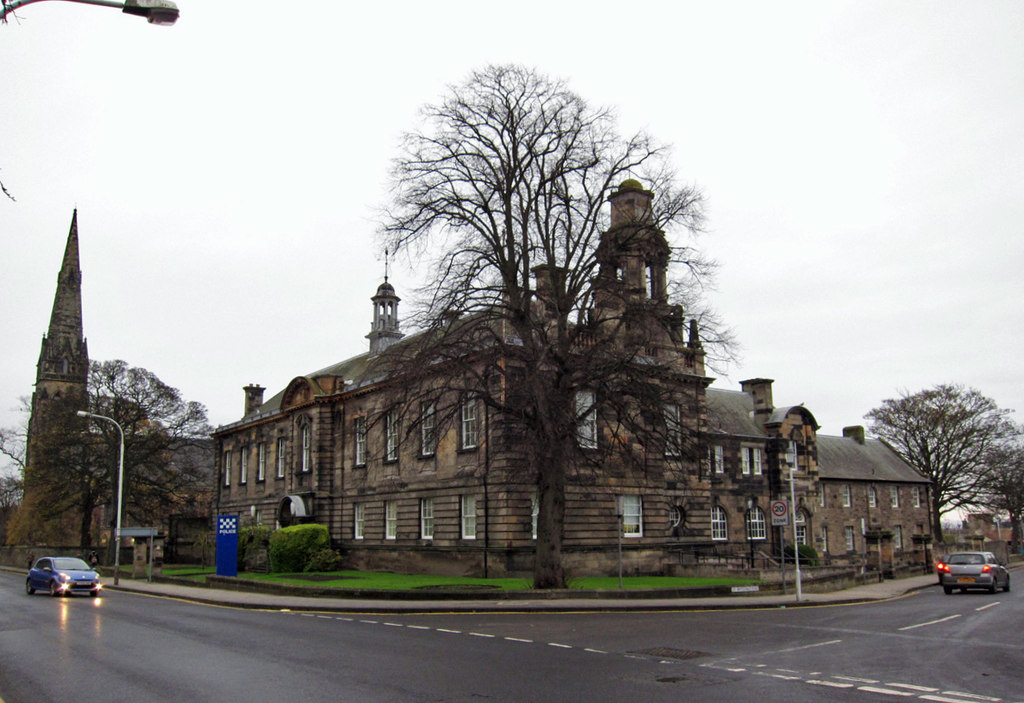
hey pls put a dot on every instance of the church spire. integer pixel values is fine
(64, 358)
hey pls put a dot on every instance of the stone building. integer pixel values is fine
(400, 490)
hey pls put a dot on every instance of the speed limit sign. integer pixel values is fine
(780, 512)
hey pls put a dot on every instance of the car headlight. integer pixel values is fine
(63, 577)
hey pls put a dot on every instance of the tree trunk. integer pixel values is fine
(936, 519)
(551, 474)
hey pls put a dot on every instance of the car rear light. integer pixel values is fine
(985, 569)
(942, 567)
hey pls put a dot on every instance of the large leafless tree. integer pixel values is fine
(947, 433)
(502, 197)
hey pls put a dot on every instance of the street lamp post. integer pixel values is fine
(155, 11)
(120, 491)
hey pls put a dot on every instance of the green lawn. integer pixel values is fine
(388, 581)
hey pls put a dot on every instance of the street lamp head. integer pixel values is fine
(155, 11)
(82, 413)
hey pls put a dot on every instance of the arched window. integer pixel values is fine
(755, 524)
(801, 527)
(719, 524)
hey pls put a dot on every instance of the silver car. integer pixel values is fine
(966, 570)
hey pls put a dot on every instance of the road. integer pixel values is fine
(964, 648)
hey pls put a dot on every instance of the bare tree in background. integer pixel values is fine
(502, 196)
(1003, 485)
(78, 458)
(947, 433)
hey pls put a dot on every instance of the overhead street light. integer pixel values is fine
(155, 11)
(120, 491)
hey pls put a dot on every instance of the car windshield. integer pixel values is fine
(966, 559)
(70, 564)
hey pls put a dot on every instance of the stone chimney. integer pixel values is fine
(854, 432)
(253, 398)
(761, 391)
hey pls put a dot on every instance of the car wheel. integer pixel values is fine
(993, 588)
(1006, 586)
(948, 590)
(28, 587)
(53, 589)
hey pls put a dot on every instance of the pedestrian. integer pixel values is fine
(93, 559)
(31, 560)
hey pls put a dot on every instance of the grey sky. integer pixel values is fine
(862, 164)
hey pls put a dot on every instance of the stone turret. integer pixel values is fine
(384, 331)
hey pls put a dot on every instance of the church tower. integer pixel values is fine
(63, 367)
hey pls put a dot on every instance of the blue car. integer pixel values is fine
(62, 576)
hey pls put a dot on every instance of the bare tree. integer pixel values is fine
(503, 195)
(1003, 485)
(77, 470)
(947, 433)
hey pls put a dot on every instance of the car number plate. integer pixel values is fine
(965, 580)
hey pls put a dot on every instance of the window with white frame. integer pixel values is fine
(469, 432)
(586, 414)
(261, 461)
(359, 520)
(847, 496)
(243, 465)
(851, 545)
(227, 468)
(468, 510)
(426, 518)
(280, 458)
(307, 448)
(718, 459)
(391, 519)
(756, 528)
(360, 441)
(428, 429)
(756, 460)
(673, 431)
(744, 461)
(872, 497)
(894, 496)
(915, 495)
(390, 436)
(897, 537)
(800, 519)
(824, 538)
(631, 508)
(821, 496)
(534, 514)
(719, 524)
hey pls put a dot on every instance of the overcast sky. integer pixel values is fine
(862, 164)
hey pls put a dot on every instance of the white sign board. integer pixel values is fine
(780, 512)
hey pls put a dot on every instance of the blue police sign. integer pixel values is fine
(227, 545)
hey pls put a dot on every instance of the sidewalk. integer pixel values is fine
(263, 601)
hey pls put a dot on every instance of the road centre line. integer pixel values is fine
(944, 699)
(972, 696)
(930, 622)
(452, 632)
(479, 634)
(560, 646)
(986, 607)
(912, 687)
(886, 691)
(830, 684)
(854, 679)
(519, 639)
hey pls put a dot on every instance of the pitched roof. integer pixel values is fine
(732, 412)
(846, 458)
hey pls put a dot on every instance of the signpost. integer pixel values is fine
(780, 518)
(227, 545)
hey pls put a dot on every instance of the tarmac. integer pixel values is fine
(881, 591)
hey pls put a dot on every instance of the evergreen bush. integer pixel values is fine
(292, 548)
